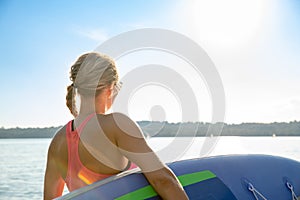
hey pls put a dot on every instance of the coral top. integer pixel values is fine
(78, 175)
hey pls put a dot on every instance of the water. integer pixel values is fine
(22, 166)
(23, 161)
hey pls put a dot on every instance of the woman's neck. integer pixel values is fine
(89, 105)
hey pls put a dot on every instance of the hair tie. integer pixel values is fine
(73, 85)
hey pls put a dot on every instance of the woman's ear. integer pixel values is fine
(109, 91)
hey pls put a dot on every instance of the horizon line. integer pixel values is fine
(225, 123)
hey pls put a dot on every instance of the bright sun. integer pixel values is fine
(223, 22)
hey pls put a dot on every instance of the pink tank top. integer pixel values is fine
(78, 175)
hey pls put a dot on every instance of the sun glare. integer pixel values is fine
(228, 23)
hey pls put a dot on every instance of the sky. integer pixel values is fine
(254, 44)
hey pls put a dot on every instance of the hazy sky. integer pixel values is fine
(254, 44)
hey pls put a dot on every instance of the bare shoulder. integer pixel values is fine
(132, 144)
(115, 117)
(58, 143)
(121, 124)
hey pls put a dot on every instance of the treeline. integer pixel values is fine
(165, 129)
(187, 129)
(28, 132)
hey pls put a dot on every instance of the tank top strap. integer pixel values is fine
(81, 126)
(86, 120)
(69, 127)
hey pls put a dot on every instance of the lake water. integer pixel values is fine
(22, 161)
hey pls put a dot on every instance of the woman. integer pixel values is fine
(96, 145)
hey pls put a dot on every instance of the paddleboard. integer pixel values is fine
(230, 177)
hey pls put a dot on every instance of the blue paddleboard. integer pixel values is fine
(231, 177)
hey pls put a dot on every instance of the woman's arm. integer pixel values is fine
(53, 182)
(166, 184)
(132, 144)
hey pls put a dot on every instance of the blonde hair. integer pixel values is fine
(89, 75)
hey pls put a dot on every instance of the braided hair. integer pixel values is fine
(91, 73)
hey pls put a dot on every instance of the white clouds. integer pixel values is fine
(96, 34)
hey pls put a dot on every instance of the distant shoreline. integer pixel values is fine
(186, 129)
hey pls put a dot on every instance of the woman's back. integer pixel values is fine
(95, 157)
